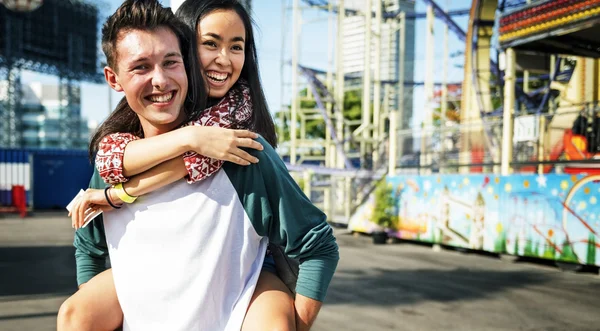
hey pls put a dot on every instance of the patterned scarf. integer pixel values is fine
(234, 110)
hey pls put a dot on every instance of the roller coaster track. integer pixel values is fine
(324, 4)
(322, 96)
(367, 178)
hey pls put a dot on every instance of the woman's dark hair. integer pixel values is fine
(191, 13)
(149, 15)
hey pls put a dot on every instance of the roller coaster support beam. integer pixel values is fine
(441, 14)
(295, 96)
(329, 146)
(339, 85)
(377, 86)
(393, 143)
(366, 101)
(444, 106)
(283, 108)
(387, 15)
(429, 64)
(509, 109)
(397, 116)
(321, 97)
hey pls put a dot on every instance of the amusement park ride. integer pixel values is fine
(529, 95)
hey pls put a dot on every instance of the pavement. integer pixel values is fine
(37, 270)
(401, 286)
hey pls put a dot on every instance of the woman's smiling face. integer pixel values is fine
(222, 44)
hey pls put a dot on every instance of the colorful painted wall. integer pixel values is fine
(551, 216)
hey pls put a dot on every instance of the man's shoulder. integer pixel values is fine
(268, 151)
(269, 167)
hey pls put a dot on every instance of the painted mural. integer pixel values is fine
(547, 216)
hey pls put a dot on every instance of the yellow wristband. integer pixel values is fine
(120, 191)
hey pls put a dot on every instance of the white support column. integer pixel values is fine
(429, 74)
(295, 91)
(339, 84)
(366, 101)
(283, 107)
(348, 196)
(509, 108)
(398, 117)
(393, 143)
(377, 85)
(329, 146)
(307, 179)
(541, 145)
(444, 106)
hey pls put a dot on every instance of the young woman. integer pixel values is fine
(228, 56)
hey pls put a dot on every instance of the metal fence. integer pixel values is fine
(452, 148)
(560, 142)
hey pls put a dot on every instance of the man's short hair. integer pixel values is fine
(146, 15)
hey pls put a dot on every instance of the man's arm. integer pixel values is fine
(278, 208)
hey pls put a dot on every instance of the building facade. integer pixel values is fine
(39, 118)
(354, 49)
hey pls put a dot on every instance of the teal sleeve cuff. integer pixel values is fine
(315, 275)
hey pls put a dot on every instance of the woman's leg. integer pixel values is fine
(271, 307)
(93, 307)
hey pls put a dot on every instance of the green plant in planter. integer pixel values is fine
(384, 211)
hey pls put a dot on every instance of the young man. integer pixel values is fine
(187, 257)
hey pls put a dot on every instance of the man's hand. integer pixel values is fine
(307, 310)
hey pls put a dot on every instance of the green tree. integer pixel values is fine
(316, 128)
(568, 255)
(500, 244)
(529, 250)
(549, 251)
(383, 211)
(591, 250)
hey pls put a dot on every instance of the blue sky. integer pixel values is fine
(313, 53)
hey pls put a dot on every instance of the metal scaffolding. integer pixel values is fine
(70, 112)
(9, 110)
(67, 50)
(347, 143)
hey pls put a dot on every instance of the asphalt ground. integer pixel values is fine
(401, 286)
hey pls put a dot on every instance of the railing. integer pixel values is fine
(565, 141)
(450, 148)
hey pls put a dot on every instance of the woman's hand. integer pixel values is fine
(223, 144)
(91, 201)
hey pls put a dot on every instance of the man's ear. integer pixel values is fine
(112, 79)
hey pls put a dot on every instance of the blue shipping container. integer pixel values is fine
(57, 177)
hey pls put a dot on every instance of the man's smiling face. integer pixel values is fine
(151, 73)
